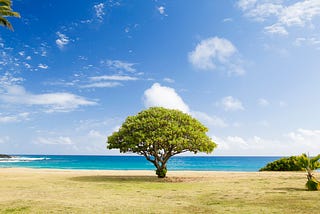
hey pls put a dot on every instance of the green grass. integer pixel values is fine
(38, 191)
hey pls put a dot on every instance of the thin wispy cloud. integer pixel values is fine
(101, 85)
(5, 118)
(43, 66)
(52, 102)
(113, 77)
(263, 102)
(118, 65)
(54, 140)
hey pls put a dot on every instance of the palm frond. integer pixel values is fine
(5, 3)
(4, 22)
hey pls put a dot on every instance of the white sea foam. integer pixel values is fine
(22, 159)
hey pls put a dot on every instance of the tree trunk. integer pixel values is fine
(161, 171)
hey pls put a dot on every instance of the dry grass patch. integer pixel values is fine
(57, 191)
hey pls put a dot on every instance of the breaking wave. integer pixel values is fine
(22, 159)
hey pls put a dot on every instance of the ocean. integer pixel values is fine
(176, 163)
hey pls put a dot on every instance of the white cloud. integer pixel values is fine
(43, 66)
(54, 141)
(298, 14)
(16, 94)
(162, 10)
(276, 29)
(310, 41)
(230, 103)
(213, 52)
(163, 96)
(169, 80)
(118, 65)
(14, 118)
(246, 4)
(96, 134)
(99, 11)
(62, 40)
(263, 102)
(167, 97)
(292, 143)
(102, 85)
(113, 77)
(209, 120)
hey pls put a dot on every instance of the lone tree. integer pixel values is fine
(5, 11)
(159, 133)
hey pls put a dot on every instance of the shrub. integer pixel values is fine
(284, 164)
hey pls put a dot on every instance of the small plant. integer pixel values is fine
(310, 164)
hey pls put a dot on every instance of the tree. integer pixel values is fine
(6, 10)
(158, 134)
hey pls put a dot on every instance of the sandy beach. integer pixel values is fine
(26, 190)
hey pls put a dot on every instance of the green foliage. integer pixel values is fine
(5, 11)
(313, 184)
(284, 164)
(293, 163)
(159, 133)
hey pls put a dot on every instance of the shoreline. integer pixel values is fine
(171, 173)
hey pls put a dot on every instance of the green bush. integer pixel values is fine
(284, 164)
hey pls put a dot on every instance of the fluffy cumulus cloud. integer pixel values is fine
(62, 40)
(163, 96)
(16, 94)
(216, 52)
(230, 103)
(167, 97)
(283, 15)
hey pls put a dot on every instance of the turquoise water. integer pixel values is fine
(194, 163)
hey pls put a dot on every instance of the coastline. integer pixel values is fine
(171, 173)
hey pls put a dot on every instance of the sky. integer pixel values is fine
(71, 73)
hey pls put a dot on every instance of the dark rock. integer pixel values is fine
(5, 156)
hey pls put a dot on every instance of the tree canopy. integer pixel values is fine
(159, 133)
(5, 11)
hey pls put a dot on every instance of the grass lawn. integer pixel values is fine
(59, 191)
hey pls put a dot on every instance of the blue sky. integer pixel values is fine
(249, 70)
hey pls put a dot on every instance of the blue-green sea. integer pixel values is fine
(193, 163)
